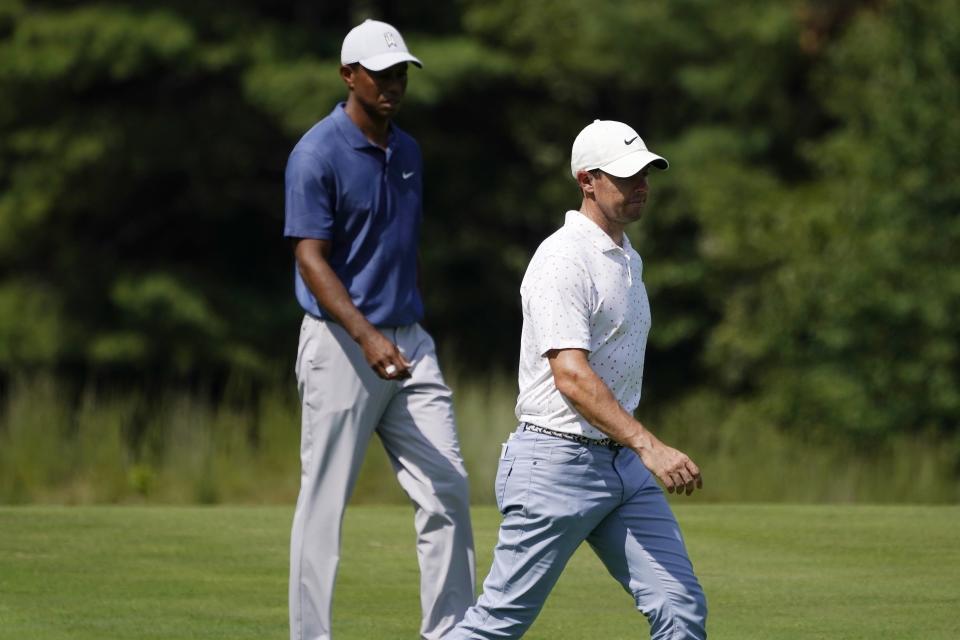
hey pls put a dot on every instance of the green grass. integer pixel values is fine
(791, 572)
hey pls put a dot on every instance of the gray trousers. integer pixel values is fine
(343, 403)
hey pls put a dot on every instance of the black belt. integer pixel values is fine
(609, 443)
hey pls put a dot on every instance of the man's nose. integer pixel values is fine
(393, 84)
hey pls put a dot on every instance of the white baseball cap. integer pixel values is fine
(613, 147)
(375, 45)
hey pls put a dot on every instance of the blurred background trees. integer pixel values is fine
(801, 253)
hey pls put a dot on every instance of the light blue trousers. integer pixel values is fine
(553, 495)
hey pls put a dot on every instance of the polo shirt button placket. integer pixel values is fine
(385, 181)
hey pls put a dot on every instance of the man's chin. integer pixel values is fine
(389, 109)
(634, 212)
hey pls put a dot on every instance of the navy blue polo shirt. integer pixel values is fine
(368, 203)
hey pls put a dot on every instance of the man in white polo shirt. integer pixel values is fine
(580, 466)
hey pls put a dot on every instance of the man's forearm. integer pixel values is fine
(381, 354)
(330, 293)
(591, 397)
(593, 400)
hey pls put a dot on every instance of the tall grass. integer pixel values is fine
(180, 447)
(184, 447)
(744, 458)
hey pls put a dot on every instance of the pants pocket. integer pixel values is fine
(504, 469)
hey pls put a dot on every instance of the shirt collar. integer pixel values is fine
(587, 227)
(352, 132)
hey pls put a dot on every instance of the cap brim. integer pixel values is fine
(387, 60)
(634, 163)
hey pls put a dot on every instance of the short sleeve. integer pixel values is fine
(309, 197)
(556, 304)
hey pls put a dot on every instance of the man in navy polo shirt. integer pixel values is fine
(364, 364)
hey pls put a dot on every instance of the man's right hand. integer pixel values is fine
(674, 468)
(384, 357)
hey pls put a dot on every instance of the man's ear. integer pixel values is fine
(347, 74)
(585, 181)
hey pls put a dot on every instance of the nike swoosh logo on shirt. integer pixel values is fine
(630, 140)
(408, 174)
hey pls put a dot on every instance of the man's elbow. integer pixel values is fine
(568, 382)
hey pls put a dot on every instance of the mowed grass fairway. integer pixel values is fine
(220, 572)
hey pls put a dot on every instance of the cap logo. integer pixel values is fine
(625, 141)
(391, 41)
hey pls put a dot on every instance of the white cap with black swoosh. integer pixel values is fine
(614, 148)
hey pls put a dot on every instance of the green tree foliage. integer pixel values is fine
(137, 183)
(800, 252)
(869, 344)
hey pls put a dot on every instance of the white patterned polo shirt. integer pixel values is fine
(581, 291)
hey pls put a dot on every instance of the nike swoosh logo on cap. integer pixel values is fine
(630, 140)
(408, 174)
